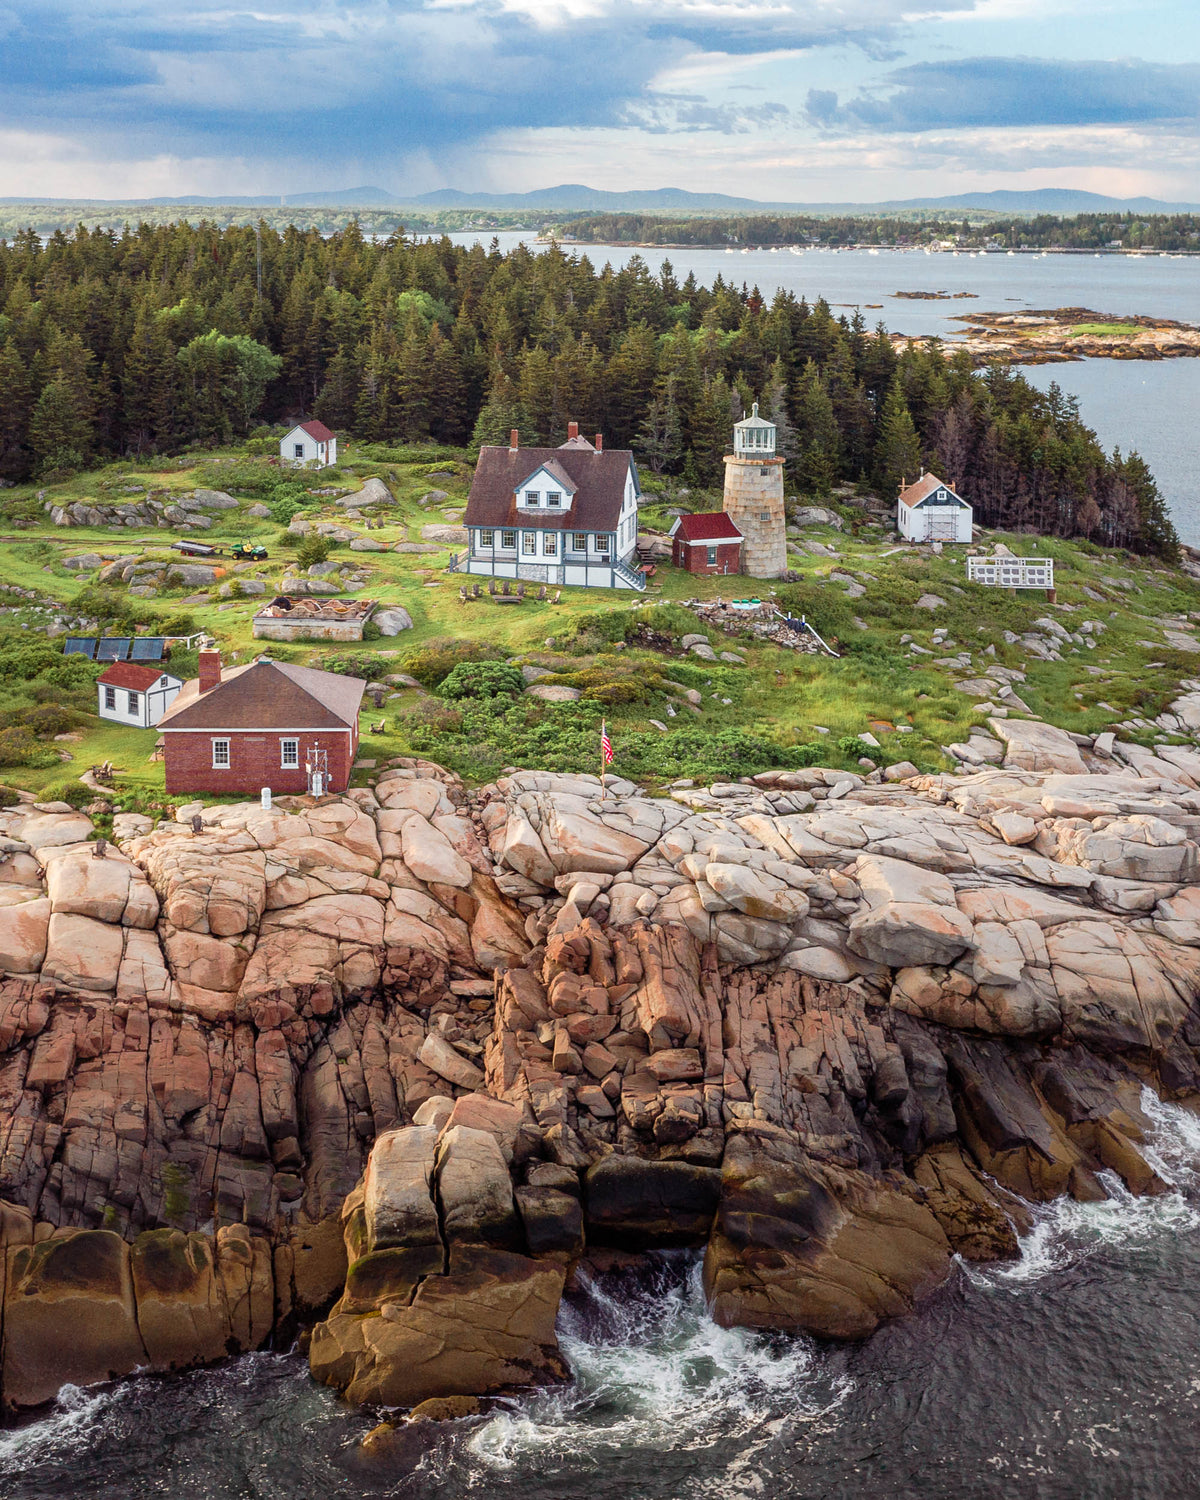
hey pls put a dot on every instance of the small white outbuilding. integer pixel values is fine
(309, 443)
(137, 696)
(931, 511)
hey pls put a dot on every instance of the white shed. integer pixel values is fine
(309, 443)
(136, 696)
(931, 511)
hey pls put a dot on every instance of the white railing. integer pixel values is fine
(630, 578)
(1012, 572)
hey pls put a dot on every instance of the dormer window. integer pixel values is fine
(531, 498)
(553, 499)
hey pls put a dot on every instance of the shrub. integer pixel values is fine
(18, 747)
(313, 550)
(71, 791)
(482, 679)
(359, 664)
(46, 719)
(431, 663)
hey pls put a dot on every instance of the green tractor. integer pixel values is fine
(249, 552)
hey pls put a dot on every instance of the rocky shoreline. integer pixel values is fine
(1064, 335)
(386, 1070)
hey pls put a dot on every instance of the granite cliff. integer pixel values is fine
(382, 1068)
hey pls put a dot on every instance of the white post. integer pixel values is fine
(266, 799)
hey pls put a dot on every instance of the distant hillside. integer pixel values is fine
(575, 197)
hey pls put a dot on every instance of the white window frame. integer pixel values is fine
(110, 697)
(554, 498)
(297, 450)
(579, 541)
(135, 701)
(505, 544)
(529, 543)
(286, 762)
(549, 543)
(487, 537)
(711, 556)
(533, 499)
(222, 756)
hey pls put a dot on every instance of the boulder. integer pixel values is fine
(211, 500)
(392, 620)
(24, 928)
(636, 1204)
(1033, 746)
(440, 1057)
(806, 1247)
(82, 954)
(69, 1316)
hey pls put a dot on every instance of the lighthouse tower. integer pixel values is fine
(754, 497)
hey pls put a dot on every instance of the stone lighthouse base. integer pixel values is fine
(754, 503)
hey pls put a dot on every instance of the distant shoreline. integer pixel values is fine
(566, 243)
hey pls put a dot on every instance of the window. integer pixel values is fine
(712, 557)
(220, 755)
(135, 703)
(553, 498)
(604, 541)
(579, 541)
(508, 540)
(487, 538)
(529, 543)
(297, 450)
(531, 498)
(110, 697)
(289, 754)
(549, 544)
(764, 515)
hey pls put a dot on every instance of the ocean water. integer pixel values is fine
(1151, 406)
(1070, 1373)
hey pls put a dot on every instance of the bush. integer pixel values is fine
(44, 719)
(482, 679)
(359, 664)
(18, 747)
(432, 663)
(72, 791)
(313, 550)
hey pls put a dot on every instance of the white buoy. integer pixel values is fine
(266, 799)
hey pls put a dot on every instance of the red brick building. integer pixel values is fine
(260, 726)
(706, 543)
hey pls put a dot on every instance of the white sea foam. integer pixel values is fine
(77, 1415)
(1065, 1232)
(654, 1370)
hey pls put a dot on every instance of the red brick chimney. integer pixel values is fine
(513, 441)
(572, 430)
(599, 444)
(210, 670)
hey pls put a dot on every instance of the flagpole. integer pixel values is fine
(603, 733)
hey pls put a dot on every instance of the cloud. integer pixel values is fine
(1008, 91)
(314, 82)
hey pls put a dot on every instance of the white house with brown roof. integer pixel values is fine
(136, 695)
(932, 511)
(565, 515)
(309, 443)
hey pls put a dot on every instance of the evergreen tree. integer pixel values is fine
(898, 450)
(818, 438)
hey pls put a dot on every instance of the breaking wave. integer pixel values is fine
(652, 1370)
(1065, 1232)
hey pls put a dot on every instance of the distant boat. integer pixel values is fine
(872, 252)
(1012, 252)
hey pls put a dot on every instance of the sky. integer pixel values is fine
(778, 100)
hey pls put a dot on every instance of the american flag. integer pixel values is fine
(606, 749)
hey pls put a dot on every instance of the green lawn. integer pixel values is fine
(780, 694)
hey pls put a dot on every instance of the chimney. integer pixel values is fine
(599, 442)
(513, 441)
(210, 670)
(572, 431)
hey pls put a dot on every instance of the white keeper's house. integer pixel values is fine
(309, 443)
(565, 515)
(931, 511)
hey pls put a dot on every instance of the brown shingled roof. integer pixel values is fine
(598, 479)
(268, 695)
(922, 488)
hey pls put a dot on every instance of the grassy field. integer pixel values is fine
(781, 698)
(1103, 330)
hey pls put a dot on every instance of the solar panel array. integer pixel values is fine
(113, 648)
(148, 648)
(80, 645)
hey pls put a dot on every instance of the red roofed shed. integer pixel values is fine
(707, 543)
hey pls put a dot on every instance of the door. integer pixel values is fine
(942, 526)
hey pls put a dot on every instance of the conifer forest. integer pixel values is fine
(170, 337)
